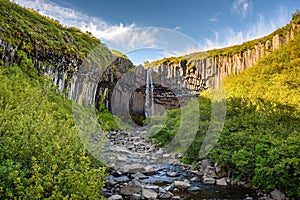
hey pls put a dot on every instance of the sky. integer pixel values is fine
(153, 29)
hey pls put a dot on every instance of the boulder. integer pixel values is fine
(221, 181)
(173, 174)
(134, 183)
(133, 168)
(116, 197)
(139, 175)
(149, 194)
(181, 184)
(166, 195)
(155, 188)
(135, 197)
(210, 172)
(148, 170)
(129, 190)
(193, 189)
(277, 195)
(209, 181)
(195, 179)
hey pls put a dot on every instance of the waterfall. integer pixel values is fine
(149, 105)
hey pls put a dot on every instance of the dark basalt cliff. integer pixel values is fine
(86, 72)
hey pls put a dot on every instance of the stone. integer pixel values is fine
(193, 189)
(221, 181)
(277, 195)
(148, 170)
(173, 174)
(248, 198)
(133, 168)
(134, 183)
(209, 181)
(135, 197)
(197, 172)
(210, 172)
(110, 182)
(169, 188)
(176, 198)
(121, 179)
(139, 175)
(155, 188)
(122, 158)
(181, 184)
(129, 190)
(116, 197)
(166, 195)
(195, 179)
(149, 194)
(204, 164)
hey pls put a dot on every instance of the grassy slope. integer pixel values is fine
(41, 155)
(260, 139)
(227, 51)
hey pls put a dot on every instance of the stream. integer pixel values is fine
(142, 171)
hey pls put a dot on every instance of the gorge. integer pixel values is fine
(44, 64)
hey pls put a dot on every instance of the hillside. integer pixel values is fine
(260, 139)
(41, 154)
(42, 69)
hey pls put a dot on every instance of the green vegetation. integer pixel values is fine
(41, 155)
(228, 51)
(260, 139)
(31, 32)
(119, 54)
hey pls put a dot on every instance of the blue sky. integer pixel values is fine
(152, 29)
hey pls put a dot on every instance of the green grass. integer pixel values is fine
(29, 31)
(260, 139)
(228, 51)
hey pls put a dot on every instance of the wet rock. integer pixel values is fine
(155, 188)
(277, 195)
(116, 197)
(195, 179)
(197, 172)
(110, 182)
(193, 189)
(248, 198)
(129, 190)
(210, 172)
(167, 195)
(173, 174)
(134, 183)
(169, 188)
(221, 181)
(149, 194)
(209, 181)
(139, 175)
(176, 198)
(133, 168)
(149, 170)
(121, 179)
(135, 197)
(181, 184)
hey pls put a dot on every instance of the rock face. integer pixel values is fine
(108, 80)
(75, 78)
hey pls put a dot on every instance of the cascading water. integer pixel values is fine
(149, 105)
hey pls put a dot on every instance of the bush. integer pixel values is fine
(41, 155)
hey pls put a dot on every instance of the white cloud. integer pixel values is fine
(123, 37)
(241, 7)
(213, 19)
(260, 28)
